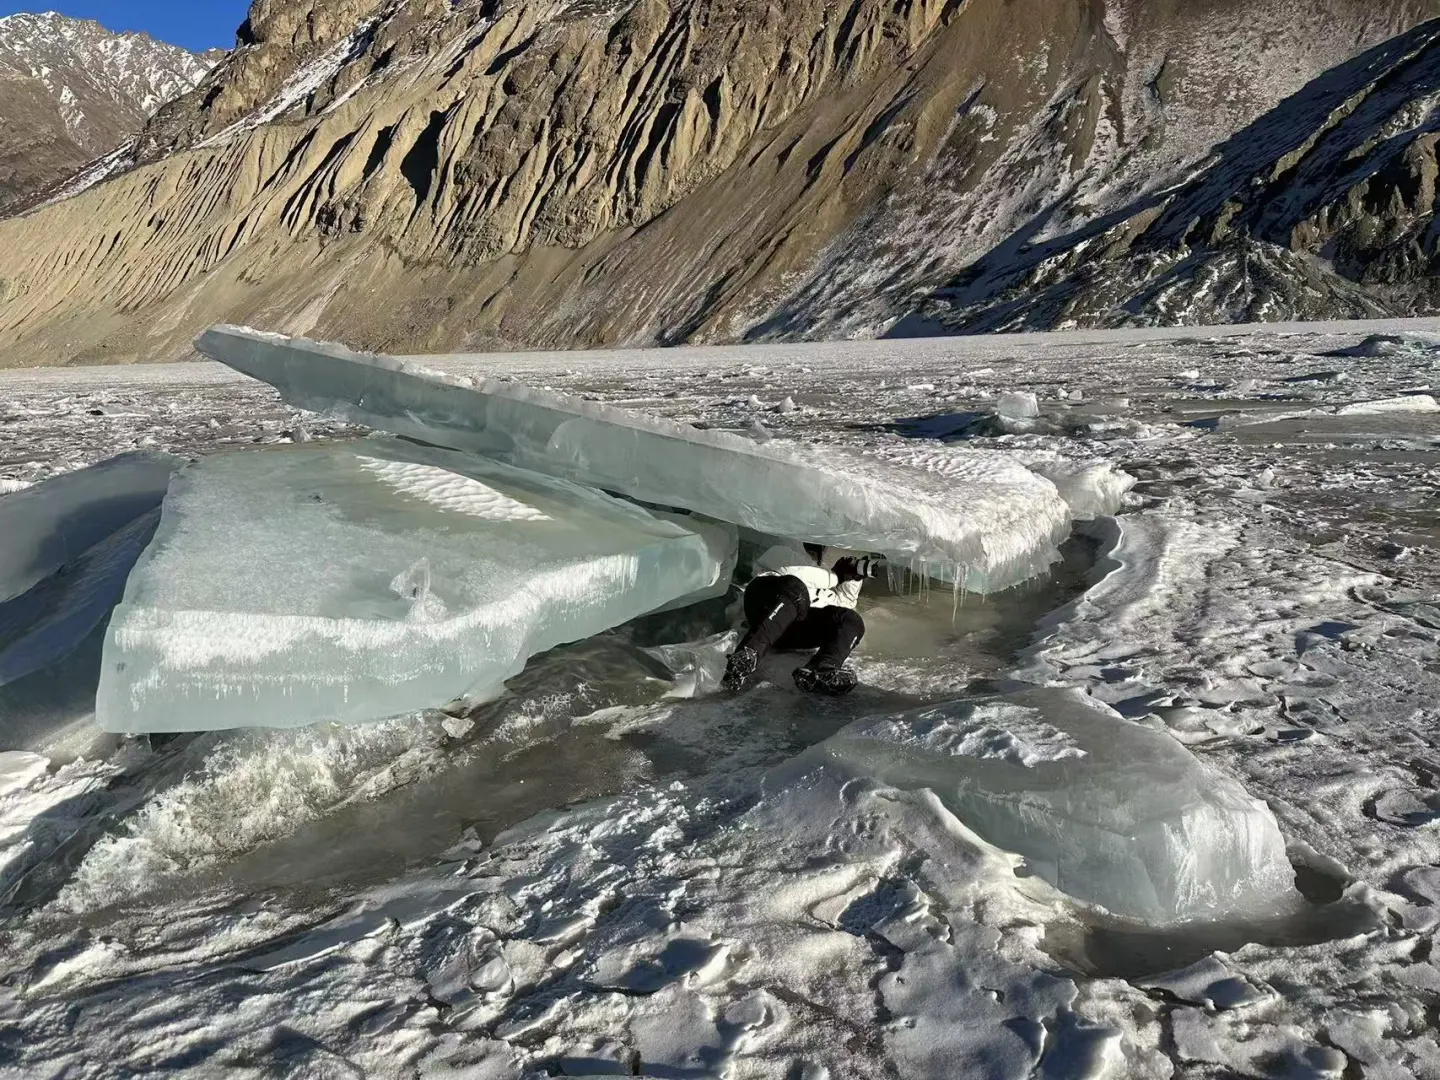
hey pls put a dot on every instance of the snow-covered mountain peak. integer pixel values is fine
(72, 92)
(77, 59)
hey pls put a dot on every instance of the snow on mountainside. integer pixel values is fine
(1324, 207)
(132, 68)
(72, 91)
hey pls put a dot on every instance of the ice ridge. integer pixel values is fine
(985, 524)
(1108, 811)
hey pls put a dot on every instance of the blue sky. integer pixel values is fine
(195, 24)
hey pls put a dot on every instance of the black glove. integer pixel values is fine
(857, 568)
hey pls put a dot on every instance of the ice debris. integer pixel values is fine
(1381, 345)
(1106, 810)
(988, 526)
(697, 666)
(355, 581)
(1017, 405)
(1211, 984)
(1421, 403)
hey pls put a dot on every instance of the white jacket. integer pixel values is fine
(826, 590)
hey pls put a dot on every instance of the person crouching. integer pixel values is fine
(801, 600)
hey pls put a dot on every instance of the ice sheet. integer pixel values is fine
(354, 581)
(1228, 589)
(1109, 811)
(988, 524)
(48, 524)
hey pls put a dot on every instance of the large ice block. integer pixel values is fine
(1108, 811)
(354, 581)
(987, 524)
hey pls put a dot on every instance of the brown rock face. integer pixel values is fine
(280, 40)
(1324, 207)
(35, 149)
(434, 175)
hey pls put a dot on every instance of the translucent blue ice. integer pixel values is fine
(1107, 810)
(355, 581)
(976, 517)
(66, 546)
(47, 525)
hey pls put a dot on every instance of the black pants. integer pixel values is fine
(780, 617)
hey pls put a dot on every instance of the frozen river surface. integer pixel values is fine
(588, 878)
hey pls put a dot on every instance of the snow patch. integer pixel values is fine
(302, 83)
(1001, 732)
(98, 171)
(1419, 403)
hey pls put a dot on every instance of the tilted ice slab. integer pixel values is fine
(66, 546)
(1110, 812)
(355, 581)
(983, 520)
(50, 621)
(45, 526)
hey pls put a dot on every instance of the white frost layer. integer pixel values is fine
(44, 526)
(1108, 811)
(255, 787)
(1003, 732)
(451, 491)
(988, 525)
(1424, 403)
(39, 811)
(19, 769)
(296, 585)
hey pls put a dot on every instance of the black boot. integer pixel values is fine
(833, 682)
(738, 669)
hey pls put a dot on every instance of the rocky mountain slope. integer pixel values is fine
(422, 174)
(1322, 208)
(72, 91)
